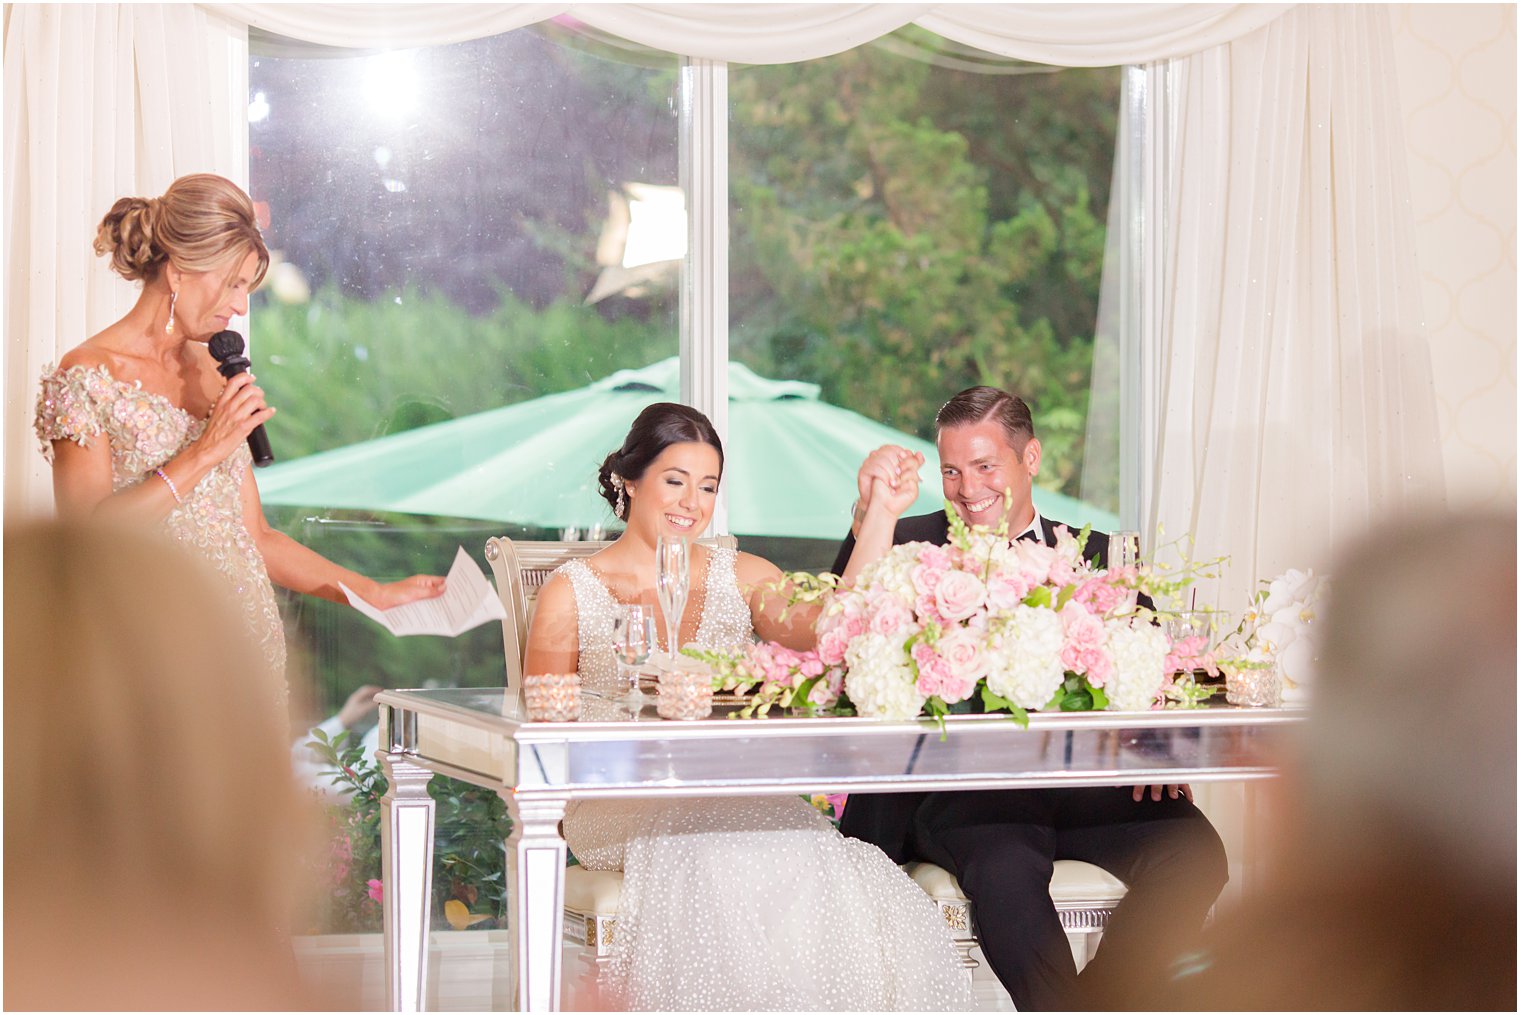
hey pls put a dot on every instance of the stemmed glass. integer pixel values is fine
(672, 579)
(633, 638)
(1124, 549)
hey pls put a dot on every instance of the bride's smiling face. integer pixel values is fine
(675, 495)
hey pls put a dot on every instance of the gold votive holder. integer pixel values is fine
(1257, 688)
(685, 692)
(552, 697)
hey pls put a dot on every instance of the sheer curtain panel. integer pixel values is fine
(1292, 399)
(101, 101)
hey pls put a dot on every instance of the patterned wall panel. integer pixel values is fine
(1456, 69)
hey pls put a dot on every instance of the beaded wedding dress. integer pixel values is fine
(145, 430)
(749, 904)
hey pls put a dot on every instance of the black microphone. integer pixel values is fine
(227, 350)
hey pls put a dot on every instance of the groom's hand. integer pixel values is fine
(1173, 791)
(890, 465)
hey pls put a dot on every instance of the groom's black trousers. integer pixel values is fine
(1001, 845)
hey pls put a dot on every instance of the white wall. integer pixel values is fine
(1456, 80)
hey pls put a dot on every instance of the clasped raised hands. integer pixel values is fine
(888, 478)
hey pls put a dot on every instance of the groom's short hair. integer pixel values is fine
(975, 405)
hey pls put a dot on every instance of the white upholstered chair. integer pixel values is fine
(1084, 895)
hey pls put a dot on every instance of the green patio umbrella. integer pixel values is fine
(791, 460)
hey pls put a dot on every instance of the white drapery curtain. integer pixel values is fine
(101, 101)
(1069, 35)
(1292, 404)
(1291, 337)
(105, 101)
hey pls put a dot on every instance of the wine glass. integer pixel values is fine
(672, 578)
(633, 638)
(1124, 549)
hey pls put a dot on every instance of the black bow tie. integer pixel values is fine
(1030, 535)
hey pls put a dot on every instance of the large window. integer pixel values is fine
(480, 252)
(478, 284)
(911, 218)
(458, 230)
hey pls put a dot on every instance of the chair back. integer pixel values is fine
(521, 567)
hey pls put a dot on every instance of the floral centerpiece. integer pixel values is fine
(1278, 630)
(928, 628)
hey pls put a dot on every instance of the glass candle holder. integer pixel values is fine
(685, 693)
(1255, 688)
(552, 697)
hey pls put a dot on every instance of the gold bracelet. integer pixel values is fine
(173, 490)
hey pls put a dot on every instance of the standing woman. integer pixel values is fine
(138, 424)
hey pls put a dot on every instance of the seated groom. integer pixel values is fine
(1002, 844)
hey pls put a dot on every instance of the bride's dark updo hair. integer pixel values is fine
(658, 427)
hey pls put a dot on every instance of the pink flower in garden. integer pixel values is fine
(959, 595)
(376, 889)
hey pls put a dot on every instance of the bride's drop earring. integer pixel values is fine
(173, 299)
(622, 500)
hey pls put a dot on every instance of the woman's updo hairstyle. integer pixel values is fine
(658, 427)
(199, 224)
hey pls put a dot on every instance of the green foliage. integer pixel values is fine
(901, 233)
(469, 857)
(342, 370)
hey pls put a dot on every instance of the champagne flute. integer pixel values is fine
(633, 638)
(1124, 549)
(672, 578)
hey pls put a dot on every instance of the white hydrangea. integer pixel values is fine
(1024, 657)
(878, 680)
(892, 573)
(1139, 655)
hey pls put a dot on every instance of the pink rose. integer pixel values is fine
(933, 671)
(934, 556)
(890, 617)
(376, 889)
(959, 595)
(831, 647)
(1035, 560)
(962, 653)
(1006, 589)
(928, 609)
(926, 579)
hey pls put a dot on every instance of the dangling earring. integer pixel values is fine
(622, 501)
(173, 299)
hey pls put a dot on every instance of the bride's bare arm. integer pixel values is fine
(759, 579)
(553, 635)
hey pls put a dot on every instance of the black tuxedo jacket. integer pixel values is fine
(886, 819)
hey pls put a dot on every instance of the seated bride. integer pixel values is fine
(734, 903)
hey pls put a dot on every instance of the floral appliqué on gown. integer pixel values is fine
(145, 430)
(749, 903)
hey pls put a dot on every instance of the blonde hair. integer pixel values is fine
(147, 775)
(202, 222)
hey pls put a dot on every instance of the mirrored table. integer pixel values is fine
(483, 736)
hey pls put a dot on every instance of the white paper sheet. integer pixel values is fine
(468, 601)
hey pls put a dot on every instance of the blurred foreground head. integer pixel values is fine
(151, 823)
(1395, 888)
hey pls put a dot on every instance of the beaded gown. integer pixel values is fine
(749, 904)
(144, 431)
